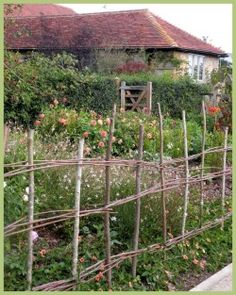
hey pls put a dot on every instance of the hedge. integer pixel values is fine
(174, 95)
(35, 83)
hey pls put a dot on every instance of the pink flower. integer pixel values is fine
(103, 133)
(63, 121)
(101, 144)
(93, 123)
(108, 121)
(85, 134)
(37, 123)
(34, 235)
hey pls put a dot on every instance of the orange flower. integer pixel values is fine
(94, 258)
(55, 102)
(42, 252)
(195, 261)
(81, 260)
(202, 264)
(185, 257)
(149, 135)
(99, 276)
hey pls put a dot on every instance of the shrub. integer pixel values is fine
(33, 82)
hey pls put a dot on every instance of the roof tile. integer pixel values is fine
(127, 29)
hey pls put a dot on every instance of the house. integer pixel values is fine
(123, 36)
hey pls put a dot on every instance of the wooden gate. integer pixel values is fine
(136, 98)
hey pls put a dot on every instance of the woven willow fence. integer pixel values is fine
(35, 220)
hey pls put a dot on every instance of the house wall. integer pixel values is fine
(210, 63)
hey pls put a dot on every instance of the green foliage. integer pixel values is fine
(54, 190)
(174, 95)
(32, 82)
(35, 81)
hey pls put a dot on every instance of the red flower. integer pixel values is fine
(213, 110)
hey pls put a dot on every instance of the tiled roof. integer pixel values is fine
(39, 9)
(127, 29)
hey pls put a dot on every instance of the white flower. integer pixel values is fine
(170, 145)
(25, 198)
(34, 235)
(4, 184)
(27, 190)
(113, 218)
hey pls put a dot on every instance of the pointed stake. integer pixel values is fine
(186, 193)
(30, 207)
(107, 198)
(77, 212)
(138, 202)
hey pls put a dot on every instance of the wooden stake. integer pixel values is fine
(224, 176)
(107, 197)
(6, 135)
(149, 97)
(138, 202)
(186, 194)
(77, 217)
(122, 95)
(30, 207)
(162, 173)
(202, 163)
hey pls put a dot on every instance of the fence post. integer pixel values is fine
(202, 163)
(162, 172)
(149, 97)
(138, 202)
(224, 176)
(30, 206)
(107, 197)
(6, 135)
(77, 213)
(122, 94)
(186, 174)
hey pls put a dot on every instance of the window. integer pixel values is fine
(196, 66)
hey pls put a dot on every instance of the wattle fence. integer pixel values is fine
(38, 220)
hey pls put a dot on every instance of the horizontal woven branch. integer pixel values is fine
(23, 167)
(16, 227)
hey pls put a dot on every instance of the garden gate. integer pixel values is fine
(136, 97)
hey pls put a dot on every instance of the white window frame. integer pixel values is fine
(196, 60)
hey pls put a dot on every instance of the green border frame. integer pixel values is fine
(1, 122)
